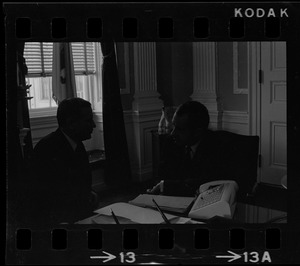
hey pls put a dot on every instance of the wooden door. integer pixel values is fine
(273, 128)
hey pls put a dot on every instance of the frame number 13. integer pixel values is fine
(128, 257)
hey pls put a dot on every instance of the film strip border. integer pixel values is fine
(237, 238)
(165, 28)
(149, 22)
(199, 244)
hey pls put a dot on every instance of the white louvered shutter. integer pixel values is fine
(39, 58)
(83, 58)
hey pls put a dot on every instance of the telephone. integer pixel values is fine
(216, 198)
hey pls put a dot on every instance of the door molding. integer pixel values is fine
(254, 99)
(254, 96)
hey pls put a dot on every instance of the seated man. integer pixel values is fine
(60, 188)
(192, 154)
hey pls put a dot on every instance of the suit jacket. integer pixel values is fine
(210, 162)
(61, 180)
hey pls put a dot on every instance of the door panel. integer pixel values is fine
(273, 112)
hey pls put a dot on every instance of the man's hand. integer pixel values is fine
(157, 189)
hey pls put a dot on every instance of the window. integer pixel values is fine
(87, 59)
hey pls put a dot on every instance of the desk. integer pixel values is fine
(247, 213)
(244, 213)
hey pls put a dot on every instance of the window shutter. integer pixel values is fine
(47, 57)
(39, 58)
(83, 58)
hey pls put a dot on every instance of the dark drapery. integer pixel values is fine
(116, 150)
(19, 141)
(23, 120)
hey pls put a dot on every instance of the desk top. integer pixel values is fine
(244, 213)
(247, 213)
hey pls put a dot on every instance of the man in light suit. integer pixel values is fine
(60, 189)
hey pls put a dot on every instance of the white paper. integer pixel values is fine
(165, 202)
(134, 213)
(185, 220)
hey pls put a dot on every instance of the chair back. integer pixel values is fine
(242, 159)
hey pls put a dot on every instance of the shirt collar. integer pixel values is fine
(72, 142)
(194, 148)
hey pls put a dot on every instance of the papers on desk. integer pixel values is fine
(129, 214)
(133, 214)
(108, 219)
(185, 220)
(167, 203)
(104, 219)
(138, 211)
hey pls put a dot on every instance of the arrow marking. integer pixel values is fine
(108, 257)
(232, 257)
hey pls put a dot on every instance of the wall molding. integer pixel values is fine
(139, 125)
(204, 67)
(146, 96)
(254, 92)
(145, 66)
(236, 88)
(43, 121)
(205, 80)
(236, 122)
(135, 116)
(237, 117)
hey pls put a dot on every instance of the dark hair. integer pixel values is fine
(197, 114)
(70, 109)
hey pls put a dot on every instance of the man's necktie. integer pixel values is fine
(187, 158)
(188, 153)
(80, 148)
(80, 151)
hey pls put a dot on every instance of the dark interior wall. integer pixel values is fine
(182, 72)
(230, 101)
(164, 67)
(174, 64)
(174, 72)
(127, 98)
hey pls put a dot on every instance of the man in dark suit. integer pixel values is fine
(60, 189)
(192, 154)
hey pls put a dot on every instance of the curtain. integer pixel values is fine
(118, 170)
(19, 141)
(63, 75)
(23, 120)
